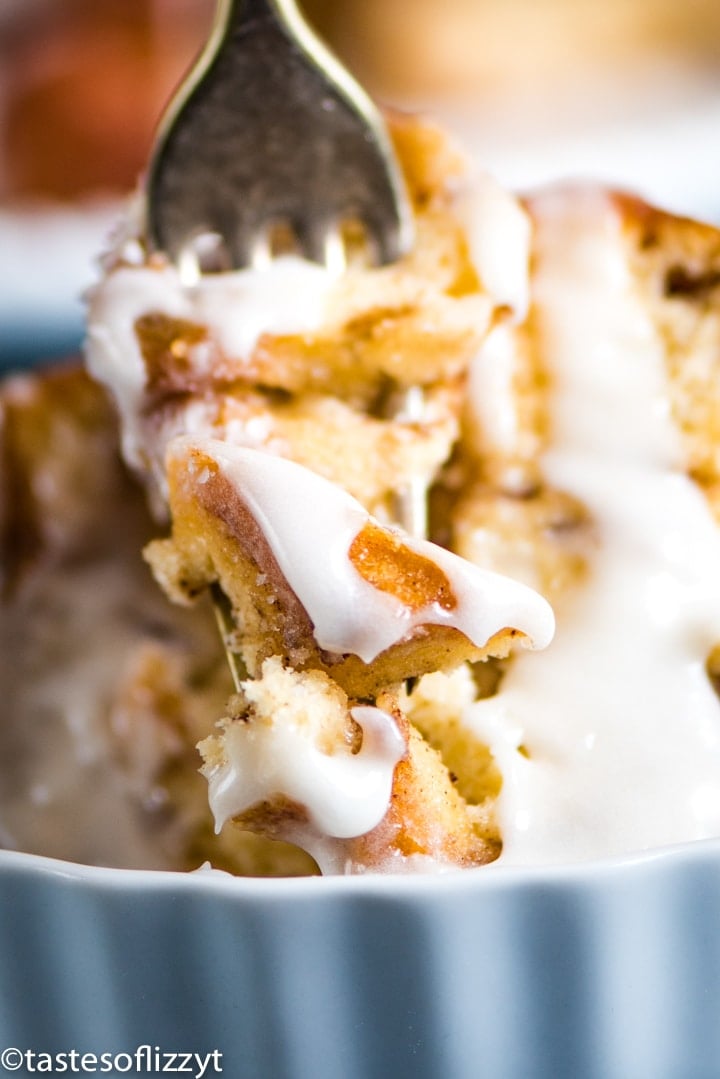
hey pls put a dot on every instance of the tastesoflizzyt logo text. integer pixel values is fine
(144, 1060)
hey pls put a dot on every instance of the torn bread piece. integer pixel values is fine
(260, 356)
(333, 613)
(352, 783)
(314, 579)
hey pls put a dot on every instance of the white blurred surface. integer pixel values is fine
(47, 260)
(650, 132)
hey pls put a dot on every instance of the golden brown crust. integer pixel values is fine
(676, 262)
(427, 816)
(168, 347)
(389, 565)
(429, 159)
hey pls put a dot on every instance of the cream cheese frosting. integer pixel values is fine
(344, 794)
(291, 296)
(310, 524)
(618, 722)
(499, 234)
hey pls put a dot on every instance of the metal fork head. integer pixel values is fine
(269, 129)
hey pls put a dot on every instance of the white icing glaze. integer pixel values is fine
(345, 794)
(618, 717)
(112, 350)
(310, 525)
(492, 396)
(289, 296)
(498, 231)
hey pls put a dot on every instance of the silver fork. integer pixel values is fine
(270, 129)
(269, 134)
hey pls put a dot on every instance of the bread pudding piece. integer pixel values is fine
(497, 505)
(307, 363)
(588, 444)
(354, 784)
(314, 579)
(333, 613)
(676, 262)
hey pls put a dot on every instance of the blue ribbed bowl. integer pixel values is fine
(605, 971)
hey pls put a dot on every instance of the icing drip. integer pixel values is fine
(310, 525)
(619, 725)
(291, 296)
(344, 794)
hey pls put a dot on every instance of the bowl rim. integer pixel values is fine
(487, 879)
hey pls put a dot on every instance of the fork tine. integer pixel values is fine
(270, 125)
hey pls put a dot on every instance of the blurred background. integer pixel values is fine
(624, 91)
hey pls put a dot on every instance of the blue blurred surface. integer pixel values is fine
(27, 344)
